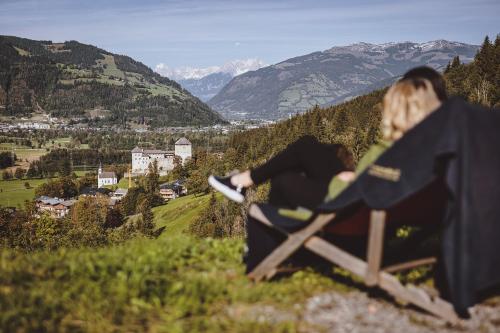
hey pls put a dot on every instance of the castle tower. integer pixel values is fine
(183, 149)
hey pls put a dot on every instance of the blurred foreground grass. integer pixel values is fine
(171, 284)
(175, 283)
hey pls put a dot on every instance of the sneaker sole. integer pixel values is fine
(228, 192)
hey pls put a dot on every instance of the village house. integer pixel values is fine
(55, 207)
(119, 194)
(169, 191)
(94, 192)
(106, 178)
(183, 149)
(142, 158)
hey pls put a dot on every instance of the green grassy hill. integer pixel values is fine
(175, 283)
(177, 214)
(171, 284)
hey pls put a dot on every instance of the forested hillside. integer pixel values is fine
(74, 80)
(356, 123)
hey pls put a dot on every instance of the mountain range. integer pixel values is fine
(329, 77)
(206, 82)
(84, 83)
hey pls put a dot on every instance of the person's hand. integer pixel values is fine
(347, 176)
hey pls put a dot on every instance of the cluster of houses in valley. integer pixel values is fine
(59, 208)
(141, 159)
(55, 207)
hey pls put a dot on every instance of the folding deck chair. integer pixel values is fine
(425, 176)
(442, 173)
(355, 219)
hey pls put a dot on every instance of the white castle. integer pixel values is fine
(141, 158)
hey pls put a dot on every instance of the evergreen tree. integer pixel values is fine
(146, 224)
(65, 167)
(152, 180)
(19, 173)
(455, 63)
(7, 175)
(484, 59)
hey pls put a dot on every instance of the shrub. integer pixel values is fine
(19, 173)
(7, 175)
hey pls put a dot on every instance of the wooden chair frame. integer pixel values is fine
(370, 270)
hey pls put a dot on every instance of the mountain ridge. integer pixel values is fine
(71, 80)
(328, 77)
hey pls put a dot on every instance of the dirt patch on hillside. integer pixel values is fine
(356, 312)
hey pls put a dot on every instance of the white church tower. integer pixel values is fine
(183, 149)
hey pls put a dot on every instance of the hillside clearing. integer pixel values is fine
(177, 214)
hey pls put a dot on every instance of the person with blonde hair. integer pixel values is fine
(405, 105)
(307, 171)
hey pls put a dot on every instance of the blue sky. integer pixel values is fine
(201, 33)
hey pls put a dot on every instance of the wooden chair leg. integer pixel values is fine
(386, 281)
(418, 297)
(375, 247)
(267, 267)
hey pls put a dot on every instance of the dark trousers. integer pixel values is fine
(300, 174)
(262, 240)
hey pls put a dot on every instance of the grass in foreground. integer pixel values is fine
(171, 284)
(175, 283)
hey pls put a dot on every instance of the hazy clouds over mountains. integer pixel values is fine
(206, 82)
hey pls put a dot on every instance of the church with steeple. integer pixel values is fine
(105, 177)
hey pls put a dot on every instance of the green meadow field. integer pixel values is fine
(13, 192)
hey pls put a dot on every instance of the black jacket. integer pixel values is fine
(461, 144)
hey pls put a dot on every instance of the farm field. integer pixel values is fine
(24, 154)
(14, 194)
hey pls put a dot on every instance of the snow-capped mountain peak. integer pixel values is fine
(362, 47)
(233, 67)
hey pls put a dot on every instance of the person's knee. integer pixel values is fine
(280, 181)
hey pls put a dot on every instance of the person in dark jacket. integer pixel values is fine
(302, 173)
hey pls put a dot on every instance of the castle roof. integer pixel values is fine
(183, 141)
(150, 151)
(155, 151)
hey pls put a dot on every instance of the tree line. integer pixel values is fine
(62, 161)
(478, 81)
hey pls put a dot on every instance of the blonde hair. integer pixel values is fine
(406, 104)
